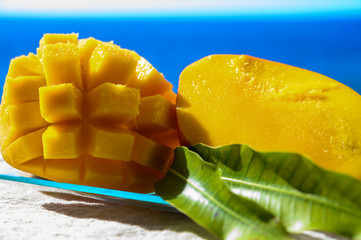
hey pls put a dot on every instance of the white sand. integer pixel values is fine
(34, 212)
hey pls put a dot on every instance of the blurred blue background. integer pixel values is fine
(322, 36)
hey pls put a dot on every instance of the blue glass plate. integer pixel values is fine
(135, 199)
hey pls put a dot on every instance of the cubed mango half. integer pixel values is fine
(66, 114)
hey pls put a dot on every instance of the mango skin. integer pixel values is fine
(228, 99)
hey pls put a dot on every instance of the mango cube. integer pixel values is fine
(26, 147)
(86, 48)
(23, 89)
(51, 38)
(102, 171)
(110, 143)
(25, 66)
(157, 115)
(150, 153)
(110, 63)
(111, 102)
(23, 118)
(35, 166)
(131, 176)
(61, 64)
(59, 103)
(148, 79)
(63, 141)
(64, 170)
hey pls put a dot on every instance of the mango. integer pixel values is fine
(229, 99)
(88, 112)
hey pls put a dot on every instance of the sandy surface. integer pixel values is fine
(35, 212)
(30, 212)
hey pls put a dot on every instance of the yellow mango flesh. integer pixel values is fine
(148, 79)
(68, 113)
(61, 103)
(25, 148)
(20, 119)
(157, 116)
(25, 66)
(61, 64)
(109, 63)
(23, 89)
(116, 143)
(117, 103)
(227, 99)
(56, 38)
(62, 141)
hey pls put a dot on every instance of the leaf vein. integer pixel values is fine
(295, 194)
(220, 204)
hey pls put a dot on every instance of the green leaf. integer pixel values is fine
(194, 187)
(302, 195)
